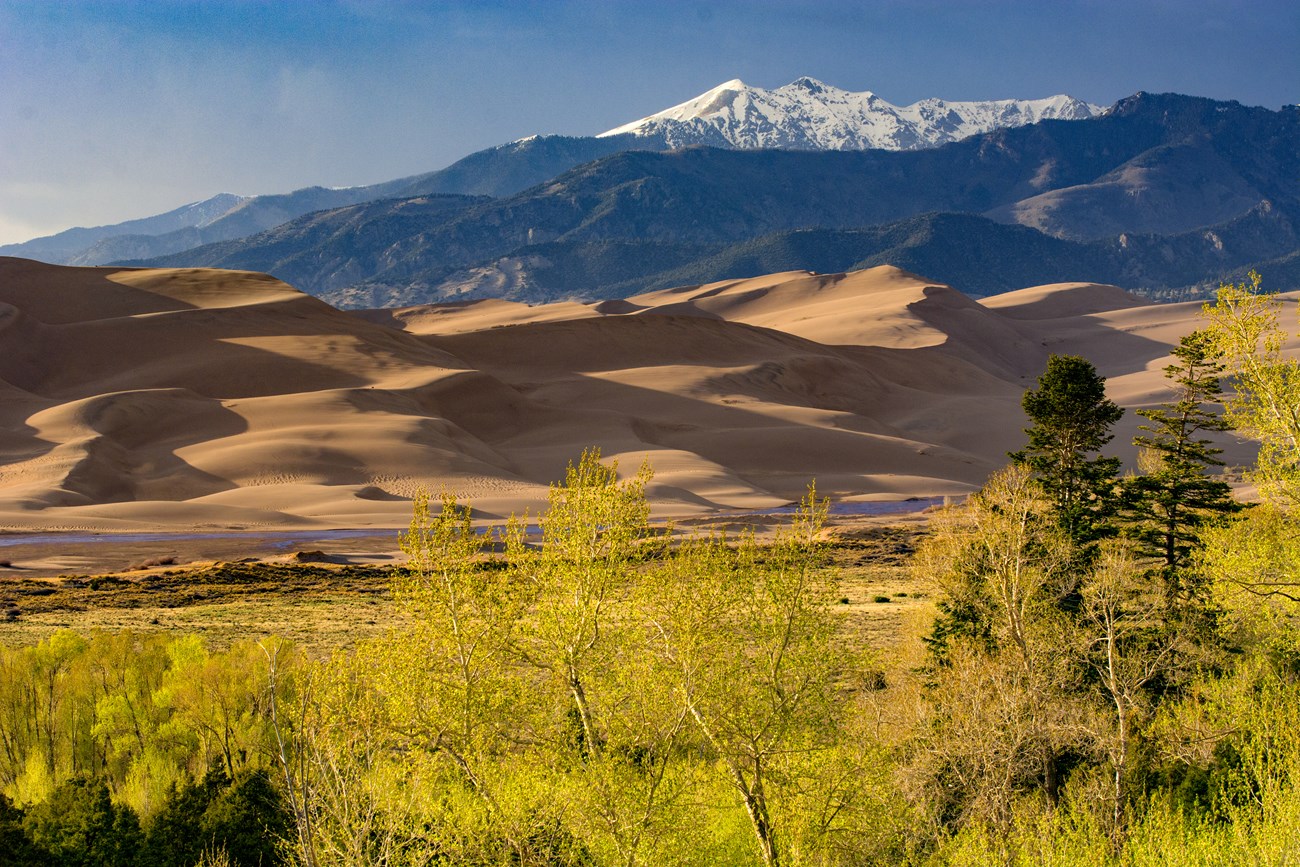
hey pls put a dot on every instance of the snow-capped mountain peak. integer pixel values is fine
(808, 114)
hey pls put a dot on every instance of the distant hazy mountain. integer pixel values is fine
(60, 248)
(497, 171)
(810, 115)
(1214, 186)
(341, 246)
(220, 218)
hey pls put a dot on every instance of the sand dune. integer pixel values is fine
(201, 399)
(1062, 300)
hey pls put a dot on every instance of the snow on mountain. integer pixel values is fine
(807, 114)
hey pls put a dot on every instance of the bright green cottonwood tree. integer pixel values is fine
(1244, 331)
(1261, 553)
(591, 532)
(603, 698)
(746, 632)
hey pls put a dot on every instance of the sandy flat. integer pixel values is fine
(196, 400)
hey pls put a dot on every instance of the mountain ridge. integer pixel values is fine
(501, 170)
(808, 114)
(655, 205)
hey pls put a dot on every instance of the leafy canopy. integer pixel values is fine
(1244, 331)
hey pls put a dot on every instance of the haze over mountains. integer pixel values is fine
(804, 114)
(220, 218)
(197, 398)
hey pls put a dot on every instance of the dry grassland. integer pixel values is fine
(323, 606)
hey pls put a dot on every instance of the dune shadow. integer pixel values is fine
(876, 393)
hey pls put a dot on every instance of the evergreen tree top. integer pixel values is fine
(1069, 408)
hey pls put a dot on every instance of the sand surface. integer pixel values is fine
(201, 401)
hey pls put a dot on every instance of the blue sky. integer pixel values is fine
(114, 110)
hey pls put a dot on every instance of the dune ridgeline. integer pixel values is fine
(203, 398)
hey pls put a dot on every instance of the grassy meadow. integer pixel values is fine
(324, 607)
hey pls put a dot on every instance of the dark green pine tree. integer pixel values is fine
(1072, 418)
(249, 820)
(16, 847)
(1166, 506)
(80, 826)
(245, 817)
(173, 838)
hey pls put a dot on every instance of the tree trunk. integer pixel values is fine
(756, 807)
(591, 738)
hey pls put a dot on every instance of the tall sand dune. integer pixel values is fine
(199, 399)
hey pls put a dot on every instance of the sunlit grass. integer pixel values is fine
(324, 607)
(319, 608)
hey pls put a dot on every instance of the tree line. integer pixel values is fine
(132, 749)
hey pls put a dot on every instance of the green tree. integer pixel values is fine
(1244, 332)
(1002, 695)
(449, 682)
(515, 717)
(592, 530)
(42, 727)
(1166, 507)
(215, 703)
(1072, 418)
(1254, 563)
(173, 838)
(335, 746)
(81, 827)
(244, 818)
(125, 670)
(146, 711)
(248, 820)
(583, 636)
(17, 848)
(747, 633)
(1258, 556)
(603, 698)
